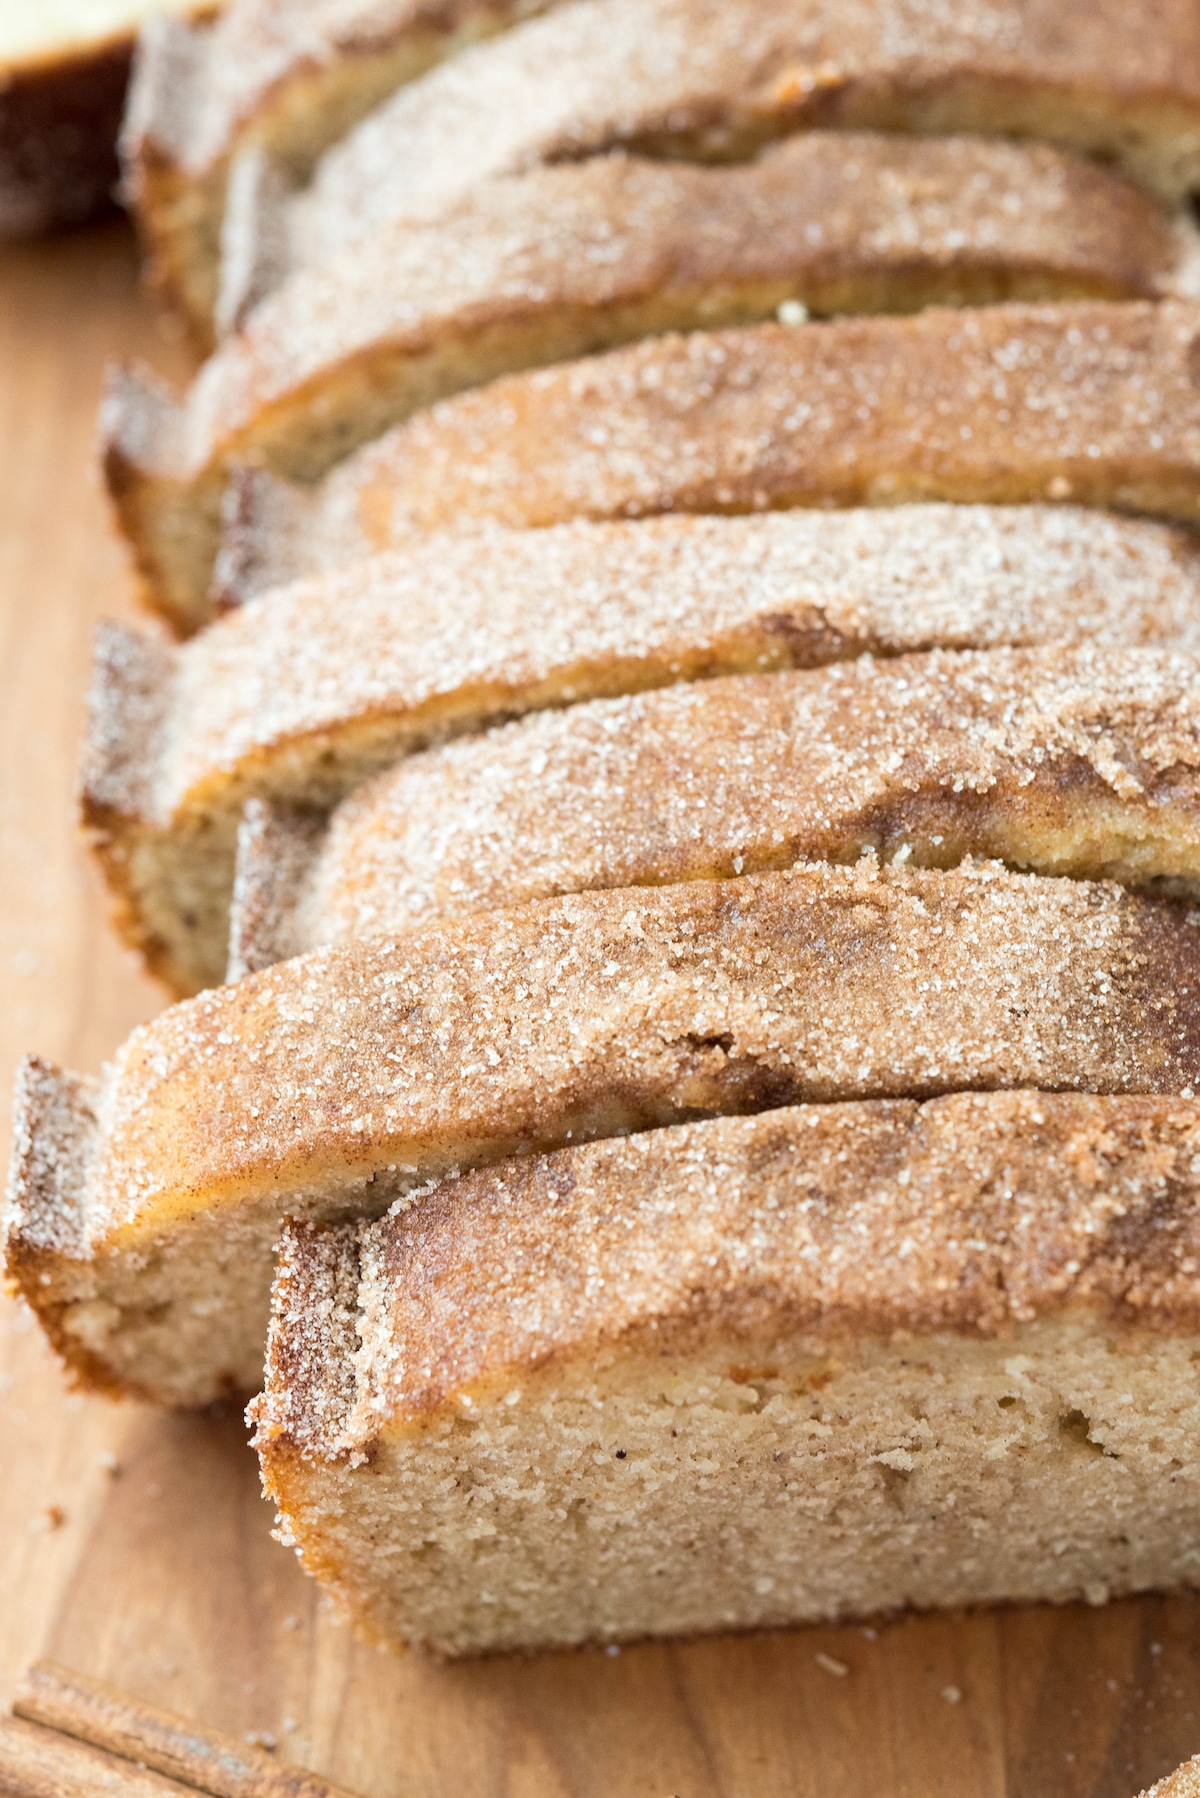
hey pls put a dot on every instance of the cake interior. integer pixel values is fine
(751, 1484)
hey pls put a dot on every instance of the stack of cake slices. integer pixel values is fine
(673, 816)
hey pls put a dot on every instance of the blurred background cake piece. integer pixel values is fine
(64, 69)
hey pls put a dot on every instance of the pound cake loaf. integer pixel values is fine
(1088, 401)
(678, 815)
(567, 261)
(64, 69)
(802, 1367)
(712, 80)
(297, 700)
(281, 78)
(1065, 760)
(143, 1209)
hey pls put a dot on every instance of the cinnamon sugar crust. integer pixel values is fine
(865, 221)
(751, 1371)
(1066, 761)
(563, 262)
(569, 996)
(711, 80)
(981, 1211)
(287, 77)
(297, 700)
(1088, 401)
(330, 1085)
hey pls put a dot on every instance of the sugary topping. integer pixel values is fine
(1069, 760)
(843, 220)
(472, 626)
(312, 1337)
(54, 1131)
(968, 1213)
(256, 49)
(1093, 401)
(714, 76)
(606, 1012)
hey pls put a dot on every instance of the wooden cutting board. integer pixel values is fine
(136, 1547)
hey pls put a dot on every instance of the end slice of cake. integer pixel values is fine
(808, 1366)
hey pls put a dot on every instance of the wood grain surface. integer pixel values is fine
(135, 1547)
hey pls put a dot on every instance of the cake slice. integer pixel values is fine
(1064, 760)
(297, 700)
(283, 78)
(712, 80)
(64, 69)
(591, 253)
(143, 1208)
(565, 261)
(804, 1367)
(1090, 401)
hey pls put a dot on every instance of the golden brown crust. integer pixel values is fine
(712, 80)
(287, 75)
(392, 1062)
(566, 261)
(1064, 761)
(968, 1214)
(297, 700)
(1088, 401)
